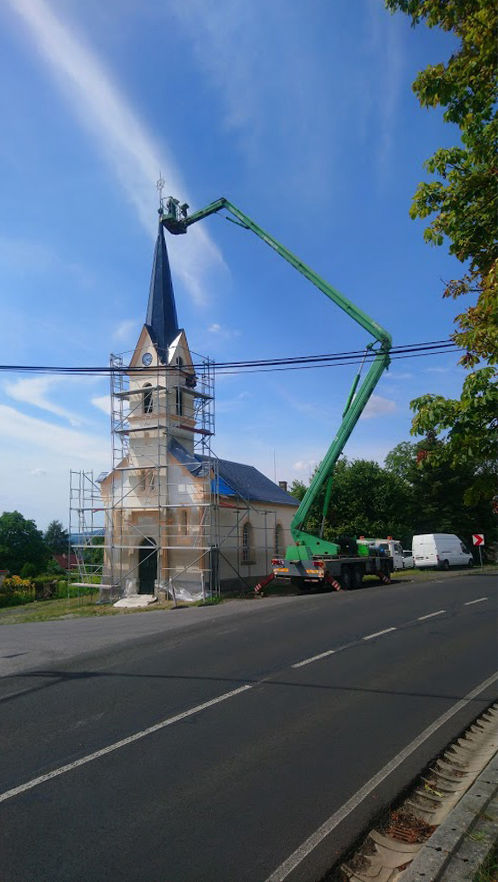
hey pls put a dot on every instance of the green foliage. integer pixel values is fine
(298, 489)
(366, 500)
(94, 552)
(440, 497)
(20, 543)
(54, 569)
(56, 538)
(62, 590)
(463, 198)
(470, 421)
(28, 570)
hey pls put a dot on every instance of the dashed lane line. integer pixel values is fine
(379, 633)
(479, 600)
(55, 773)
(307, 661)
(298, 856)
(439, 612)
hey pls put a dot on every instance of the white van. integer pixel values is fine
(442, 550)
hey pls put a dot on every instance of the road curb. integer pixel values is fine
(461, 843)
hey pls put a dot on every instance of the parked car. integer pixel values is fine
(407, 559)
(441, 550)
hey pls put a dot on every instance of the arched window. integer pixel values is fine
(148, 404)
(179, 394)
(279, 540)
(179, 401)
(247, 543)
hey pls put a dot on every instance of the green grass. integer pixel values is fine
(488, 871)
(68, 608)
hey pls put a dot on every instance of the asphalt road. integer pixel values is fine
(190, 747)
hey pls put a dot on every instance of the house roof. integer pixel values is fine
(235, 478)
(161, 319)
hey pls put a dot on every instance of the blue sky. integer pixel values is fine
(300, 113)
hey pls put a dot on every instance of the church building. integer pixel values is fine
(179, 522)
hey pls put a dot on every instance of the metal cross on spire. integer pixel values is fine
(160, 183)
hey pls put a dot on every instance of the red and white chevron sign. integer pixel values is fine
(478, 538)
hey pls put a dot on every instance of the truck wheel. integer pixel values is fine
(346, 579)
(446, 564)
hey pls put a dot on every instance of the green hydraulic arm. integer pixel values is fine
(176, 219)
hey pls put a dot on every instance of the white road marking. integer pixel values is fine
(290, 864)
(379, 633)
(307, 661)
(28, 785)
(479, 600)
(430, 615)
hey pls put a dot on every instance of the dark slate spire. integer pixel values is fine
(161, 319)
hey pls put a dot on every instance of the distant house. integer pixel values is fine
(66, 562)
(179, 519)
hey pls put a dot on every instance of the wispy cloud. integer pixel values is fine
(34, 391)
(130, 150)
(102, 402)
(222, 331)
(69, 444)
(126, 330)
(378, 406)
(386, 43)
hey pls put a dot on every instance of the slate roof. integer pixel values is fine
(235, 478)
(161, 320)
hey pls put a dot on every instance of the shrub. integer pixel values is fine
(28, 570)
(15, 591)
(45, 586)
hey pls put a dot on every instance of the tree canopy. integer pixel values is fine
(462, 199)
(20, 543)
(56, 537)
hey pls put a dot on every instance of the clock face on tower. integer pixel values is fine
(147, 359)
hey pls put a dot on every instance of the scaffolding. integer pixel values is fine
(156, 516)
(161, 528)
(86, 526)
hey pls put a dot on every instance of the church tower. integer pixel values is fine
(158, 497)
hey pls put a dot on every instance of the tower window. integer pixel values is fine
(179, 401)
(148, 403)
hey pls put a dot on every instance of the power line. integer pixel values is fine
(351, 357)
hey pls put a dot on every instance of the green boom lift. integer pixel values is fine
(308, 547)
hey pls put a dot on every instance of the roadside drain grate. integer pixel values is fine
(385, 854)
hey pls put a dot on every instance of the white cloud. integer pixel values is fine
(38, 434)
(102, 402)
(128, 147)
(392, 375)
(378, 406)
(222, 331)
(126, 330)
(33, 390)
(305, 466)
(38, 473)
(386, 43)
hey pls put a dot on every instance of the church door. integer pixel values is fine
(147, 566)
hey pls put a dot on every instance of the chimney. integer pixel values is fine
(283, 485)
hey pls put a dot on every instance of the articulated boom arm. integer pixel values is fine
(176, 220)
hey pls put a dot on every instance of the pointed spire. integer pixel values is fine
(161, 319)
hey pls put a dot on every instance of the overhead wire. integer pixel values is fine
(300, 362)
